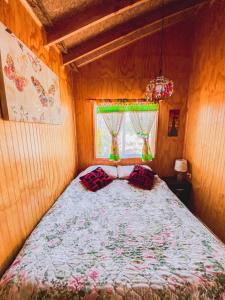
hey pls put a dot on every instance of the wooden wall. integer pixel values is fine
(37, 161)
(125, 74)
(205, 134)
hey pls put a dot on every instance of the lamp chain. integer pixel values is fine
(162, 39)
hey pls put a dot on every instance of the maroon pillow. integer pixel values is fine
(141, 177)
(96, 179)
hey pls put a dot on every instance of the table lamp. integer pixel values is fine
(181, 168)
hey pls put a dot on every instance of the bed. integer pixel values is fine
(118, 243)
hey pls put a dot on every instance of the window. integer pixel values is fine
(130, 145)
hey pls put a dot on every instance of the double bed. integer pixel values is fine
(120, 242)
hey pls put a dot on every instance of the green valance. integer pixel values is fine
(125, 108)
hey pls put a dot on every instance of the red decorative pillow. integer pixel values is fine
(96, 179)
(141, 177)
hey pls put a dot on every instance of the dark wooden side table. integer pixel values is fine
(181, 189)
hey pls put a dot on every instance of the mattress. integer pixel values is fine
(118, 243)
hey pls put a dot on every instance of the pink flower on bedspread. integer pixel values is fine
(6, 278)
(174, 280)
(104, 257)
(22, 275)
(148, 254)
(118, 251)
(209, 268)
(54, 242)
(76, 283)
(161, 238)
(103, 211)
(138, 265)
(93, 274)
(81, 223)
(16, 262)
(200, 280)
(158, 240)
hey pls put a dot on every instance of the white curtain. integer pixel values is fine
(145, 126)
(153, 135)
(113, 121)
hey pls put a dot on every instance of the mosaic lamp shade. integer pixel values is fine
(159, 88)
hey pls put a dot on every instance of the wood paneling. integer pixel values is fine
(132, 37)
(125, 74)
(123, 34)
(205, 132)
(37, 161)
(89, 16)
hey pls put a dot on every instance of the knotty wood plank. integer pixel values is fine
(122, 30)
(92, 15)
(205, 134)
(37, 160)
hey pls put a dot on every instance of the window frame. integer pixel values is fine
(137, 155)
(122, 156)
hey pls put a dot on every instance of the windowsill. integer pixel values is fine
(123, 161)
(124, 157)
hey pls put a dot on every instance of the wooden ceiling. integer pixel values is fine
(85, 30)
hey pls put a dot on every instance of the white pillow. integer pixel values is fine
(124, 171)
(110, 170)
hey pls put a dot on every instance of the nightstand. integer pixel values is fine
(181, 189)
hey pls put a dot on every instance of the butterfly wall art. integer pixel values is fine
(10, 72)
(46, 97)
(29, 90)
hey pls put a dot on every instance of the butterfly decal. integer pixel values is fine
(10, 72)
(20, 114)
(46, 97)
(36, 65)
(40, 119)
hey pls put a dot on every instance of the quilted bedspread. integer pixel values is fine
(118, 243)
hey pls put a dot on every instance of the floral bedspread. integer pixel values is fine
(118, 243)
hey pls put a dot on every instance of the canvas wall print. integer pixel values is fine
(173, 126)
(29, 89)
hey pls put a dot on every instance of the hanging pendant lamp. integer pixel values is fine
(160, 88)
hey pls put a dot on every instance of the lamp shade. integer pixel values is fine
(160, 88)
(180, 165)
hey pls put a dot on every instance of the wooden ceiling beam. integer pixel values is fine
(131, 38)
(124, 34)
(92, 15)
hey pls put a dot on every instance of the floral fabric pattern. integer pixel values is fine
(118, 243)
